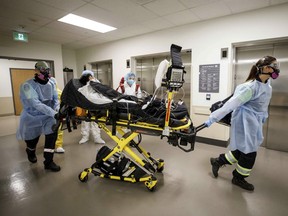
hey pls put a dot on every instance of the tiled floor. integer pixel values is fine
(186, 186)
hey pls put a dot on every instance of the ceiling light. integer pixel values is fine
(86, 23)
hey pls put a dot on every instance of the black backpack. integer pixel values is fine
(227, 119)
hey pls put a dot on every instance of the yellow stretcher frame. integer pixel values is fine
(125, 142)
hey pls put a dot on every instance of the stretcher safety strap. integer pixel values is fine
(243, 171)
(48, 150)
(230, 158)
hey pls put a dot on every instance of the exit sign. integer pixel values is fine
(20, 36)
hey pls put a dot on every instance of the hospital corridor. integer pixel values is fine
(143, 107)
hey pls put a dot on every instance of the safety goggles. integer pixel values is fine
(275, 67)
(43, 70)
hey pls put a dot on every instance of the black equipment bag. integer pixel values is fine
(227, 119)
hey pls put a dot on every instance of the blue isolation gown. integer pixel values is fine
(250, 110)
(40, 104)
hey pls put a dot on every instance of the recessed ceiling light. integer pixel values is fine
(86, 23)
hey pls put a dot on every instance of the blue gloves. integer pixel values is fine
(208, 123)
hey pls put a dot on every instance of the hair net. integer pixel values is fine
(86, 72)
(128, 75)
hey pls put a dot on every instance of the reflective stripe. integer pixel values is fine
(243, 171)
(230, 157)
(48, 150)
(31, 149)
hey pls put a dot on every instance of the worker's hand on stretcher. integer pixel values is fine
(208, 123)
(58, 116)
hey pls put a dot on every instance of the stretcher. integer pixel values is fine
(128, 160)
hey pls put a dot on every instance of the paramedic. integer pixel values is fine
(40, 104)
(129, 87)
(250, 110)
(86, 127)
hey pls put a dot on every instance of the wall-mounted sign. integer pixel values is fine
(209, 78)
(20, 36)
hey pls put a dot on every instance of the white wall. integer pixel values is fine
(69, 60)
(206, 40)
(35, 50)
(31, 50)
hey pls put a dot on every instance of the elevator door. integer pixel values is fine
(275, 132)
(103, 72)
(146, 68)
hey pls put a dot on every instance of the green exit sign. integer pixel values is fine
(20, 36)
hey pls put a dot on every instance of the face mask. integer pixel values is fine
(130, 82)
(276, 71)
(44, 73)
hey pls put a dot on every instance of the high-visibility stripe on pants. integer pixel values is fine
(230, 158)
(243, 171)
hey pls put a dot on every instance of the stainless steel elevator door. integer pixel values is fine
(103, 72)
(275, 132)
(146, 68)
(278, 111)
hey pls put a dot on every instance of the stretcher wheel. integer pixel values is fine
(151, 184)
(83, 176)
(160, 165)
(160, 170)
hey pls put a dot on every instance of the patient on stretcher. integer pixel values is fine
(148, 109)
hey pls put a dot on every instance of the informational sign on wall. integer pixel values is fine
(209, 78)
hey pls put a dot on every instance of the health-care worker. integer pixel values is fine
(250, 110)
(87, 127)
(40, 105)
(130, 87)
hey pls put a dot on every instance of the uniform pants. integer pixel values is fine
(244, 162)
(49, 146)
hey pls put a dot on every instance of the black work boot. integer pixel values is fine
(215, 166)
(31, 155)
(241, 182)
(52, 166)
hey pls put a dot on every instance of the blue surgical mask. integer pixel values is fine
(130, 82)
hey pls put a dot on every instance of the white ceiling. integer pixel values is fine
(131, 17)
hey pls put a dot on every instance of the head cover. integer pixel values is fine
(86, 72)
(130, 75)
(42, 66)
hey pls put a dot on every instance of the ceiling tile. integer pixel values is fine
(212, 10)
(196, 3)
(67, 6)
(157, 24)
(164, 7)
(182, 17)
(245, 5)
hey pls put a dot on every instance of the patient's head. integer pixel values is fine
(86, 76)
(130, 78)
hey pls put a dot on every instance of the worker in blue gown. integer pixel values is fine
(40, 105)
(249, 107)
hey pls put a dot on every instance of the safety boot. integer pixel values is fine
(31, 155)
(215, 166)
(52, 166)
(241, 182)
